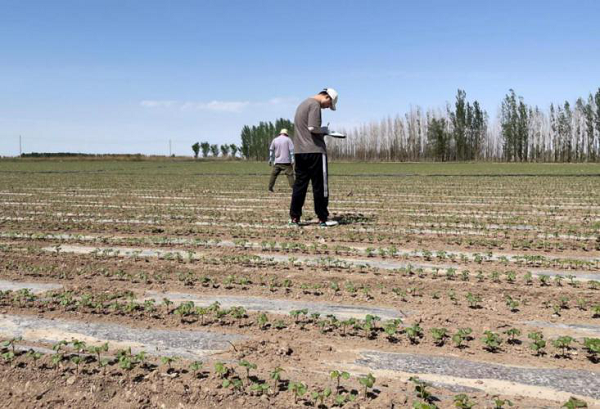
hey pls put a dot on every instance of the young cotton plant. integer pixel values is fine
(538, 343)
(461, 336)
(492, 341)
(367, 381)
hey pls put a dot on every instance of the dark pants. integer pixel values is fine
(310, 167)
(286, 168)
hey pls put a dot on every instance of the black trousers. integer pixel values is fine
(310, 167)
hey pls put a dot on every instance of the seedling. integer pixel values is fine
(473, 301)
(57, 359)
(421, 389)
(512, 333)
(492, 341)
(259, 387)
(513, 305)
(414, 332)
(76, 359)
(195, 367)
(563, 343)
(98, 349)
(299, 389)
(461, 336)
(338, 375)
(439, 335)
(35, 356)
(462, 401)
(596, 311)
(168, 360)
(276, 376)
(248, 367)
(221, 370)
(8, 356)
(262, 320)
(593, 347)
(574, 403)
(321, 395)
(499, 403)
(538, 343)
(12, 343)
(367, 381)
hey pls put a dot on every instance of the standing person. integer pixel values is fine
(311, 156)
(281, 157)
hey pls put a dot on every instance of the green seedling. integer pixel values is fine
(299, 389)
(473, 300)
(544, 280)
(262, 320)
(367, 381)
(12, 343)
(248, 367)
(35, 356)
(492, 341)
(259, 387)
(513, 305)
(321, 395)
(528, 278)
(452, 297)
(221, 370)
(574, 403)
(337, 376)
(8, 356)
(563, 343)
(461, 336)
(235, 384)
(276, 376)
(168, 360)
(76, 359)
(57, 359)
(499, 403)
(582, 304)
(596, 311)
(97, 350)
(512, 334)
(421, 389)
(439, 335)
(462, 401)
(593, 347)
(423, 405)
(414, 333)
(195, 367)
(538, 343)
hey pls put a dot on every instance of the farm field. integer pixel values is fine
(180, 284)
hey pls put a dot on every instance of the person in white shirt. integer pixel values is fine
(281, 157)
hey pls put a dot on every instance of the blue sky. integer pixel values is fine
(127, 76)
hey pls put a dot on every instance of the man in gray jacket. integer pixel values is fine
(311, 156)
(281, 157)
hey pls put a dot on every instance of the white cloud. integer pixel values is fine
(157, 104)
(215, 106)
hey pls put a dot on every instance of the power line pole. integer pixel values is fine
(169, 148)
(20, 147)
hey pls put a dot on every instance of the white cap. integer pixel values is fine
(284, 131)
(334, 96)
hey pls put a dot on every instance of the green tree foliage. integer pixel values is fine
(196, 149)
(205, 146)
(214, 150)
(257, 139)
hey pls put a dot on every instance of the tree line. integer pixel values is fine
(226, 150)
(462, 131)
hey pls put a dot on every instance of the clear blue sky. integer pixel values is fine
(127, 76)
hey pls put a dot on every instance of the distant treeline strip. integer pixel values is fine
(523, 133)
